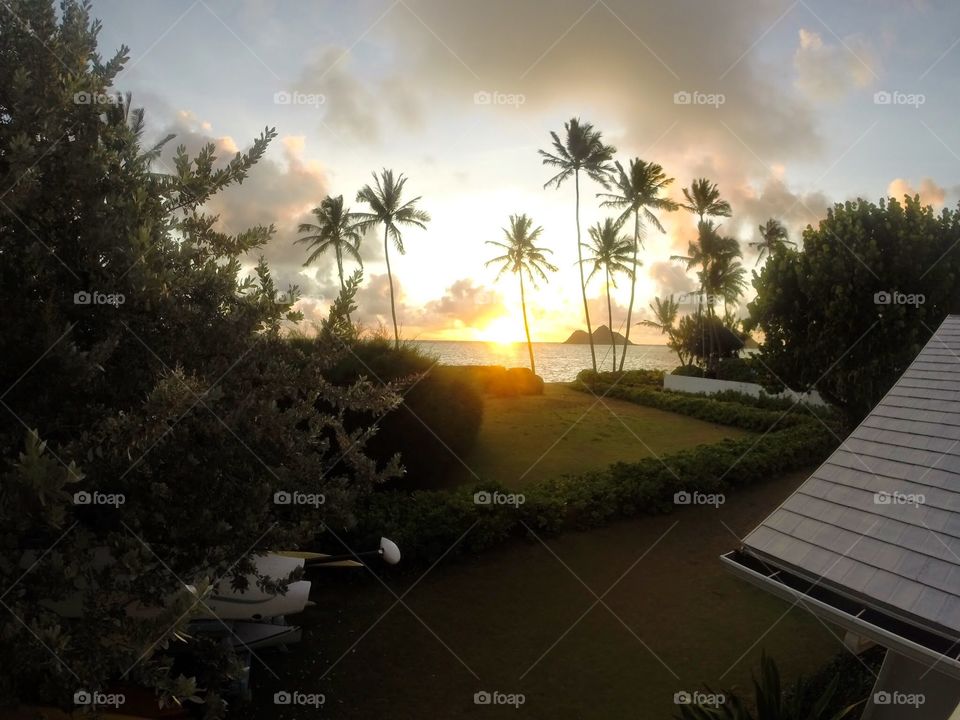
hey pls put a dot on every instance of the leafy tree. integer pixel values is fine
(773, 238)
(638, 191)
(521, 256)
(829, 314)
(385, 199)
(138, 363)
(336, 228)
(665, 312)
(612, 253)
(725, 340)
(769, 701)
(582, 149)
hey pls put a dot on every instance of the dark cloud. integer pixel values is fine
(620, 59)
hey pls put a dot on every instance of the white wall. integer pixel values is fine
(708, 386)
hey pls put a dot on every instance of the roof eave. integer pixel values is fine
(940, 662)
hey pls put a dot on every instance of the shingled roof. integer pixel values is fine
(875, 531)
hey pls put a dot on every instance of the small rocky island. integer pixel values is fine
(601, 336)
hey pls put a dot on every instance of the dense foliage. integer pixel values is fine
(850, 310)
(804, 700)
(139, 366)
(437, 420)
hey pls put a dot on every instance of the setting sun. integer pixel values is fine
(501, 330)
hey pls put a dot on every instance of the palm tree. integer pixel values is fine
(335, 228)
(773, 239)
(639, 190)
(521, 256)
(727, 276)
(581, 149)
(716, 259)
(384, 199)
(703, 199)
(665, 314)
(612, 252)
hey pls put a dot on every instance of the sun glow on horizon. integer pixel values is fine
(503, 330)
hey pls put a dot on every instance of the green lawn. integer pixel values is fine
(528, 438)
(498, 613)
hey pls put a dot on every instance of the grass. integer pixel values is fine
(521, 619)
(528, 438)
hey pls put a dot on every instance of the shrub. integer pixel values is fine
(857, 675)
(651, 378)
(732, 410)
(736, 369)
(688, 371)
(438, 420)
(499, 381)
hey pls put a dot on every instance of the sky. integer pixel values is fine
(788, 106)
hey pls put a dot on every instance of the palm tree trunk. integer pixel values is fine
(633, 285)
(526, 326)
(613, 338)
(340, 273)
(583, 282)
(393, 307)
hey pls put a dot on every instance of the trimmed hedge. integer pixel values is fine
(731, 409)
(652, 378)
(587, 380)
(426, 524)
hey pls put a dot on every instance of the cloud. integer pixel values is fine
(464, 301)
(373, 299)
(774, 199)
(607, 61)
(828, 72)
(670, 279)
(930, 193)
(354, 106)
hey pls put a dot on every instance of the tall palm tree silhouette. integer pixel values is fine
(336, 227)
(521, 256)
(612, 253)
(638, 191)
(388, 209)
(581, 149)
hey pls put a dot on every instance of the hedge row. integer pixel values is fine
(427, 523)
(727, 410)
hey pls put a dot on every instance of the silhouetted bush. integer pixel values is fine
(436, 423)
(857, 676)
(688, 371)
(499, 381)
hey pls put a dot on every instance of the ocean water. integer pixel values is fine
(556, 362)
